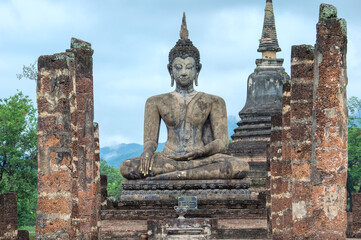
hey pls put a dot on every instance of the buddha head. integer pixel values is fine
(184, 60)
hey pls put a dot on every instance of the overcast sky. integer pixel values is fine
(132, 38)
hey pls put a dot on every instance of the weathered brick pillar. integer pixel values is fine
(55, 95)
(284, 169)
(330, 127)
(103, 189)
(96, 173)
(68, 164)
(83, 142)
(8, 216)
(302, 67)
(268, 191)
(279, 182)
(281, 172)
(356, 215)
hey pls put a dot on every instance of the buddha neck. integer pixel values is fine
(185, 91)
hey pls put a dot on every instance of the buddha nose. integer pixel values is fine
(183, 72)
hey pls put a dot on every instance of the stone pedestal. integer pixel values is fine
(239, 213)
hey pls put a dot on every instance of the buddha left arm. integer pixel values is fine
(218, 119)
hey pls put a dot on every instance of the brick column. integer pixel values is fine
(55, 94)
(83, 146)
(284, 168)
(302, 66)
(8, 216)
(103, 190)
(330, 127)
(279, 181)
(268, 191)
(356, 215)
(97, 189)
(280, 166)
(68, 175)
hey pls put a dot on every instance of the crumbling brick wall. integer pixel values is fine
(280, 169)
(314, 139)
(301, 105)
(8, 216)
(330, 126)
(67, 184)
(356, 215)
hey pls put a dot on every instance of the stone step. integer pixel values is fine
(223, 228)
(243, 127)
(134, 214)
(251, 135)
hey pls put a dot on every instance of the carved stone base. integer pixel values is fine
(203, 189)
(226, 209)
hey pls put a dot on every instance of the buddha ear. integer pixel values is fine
(197, 74)
(171, 74)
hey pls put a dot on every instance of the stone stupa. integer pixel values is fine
(264, 96)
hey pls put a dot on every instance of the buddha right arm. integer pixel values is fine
(151, 134)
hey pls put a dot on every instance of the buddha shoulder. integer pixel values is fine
(158, 99)
(213, 99)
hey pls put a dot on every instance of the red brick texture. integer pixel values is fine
(302, 65)
(67, 184)
(356, 215)
(309, 140)
(330, 131)
(8, 216)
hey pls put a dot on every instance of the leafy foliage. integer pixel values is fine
(114, 179)
(18, 154)
(354, 147)
(29, 72)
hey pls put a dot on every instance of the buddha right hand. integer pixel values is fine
(146, 162)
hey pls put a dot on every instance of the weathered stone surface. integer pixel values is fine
(356, 215)
(182, 228)
(128, 219)
(264, 97)
(55, 88)
(68, 176)
(330, 131)
(8, 216)
(313, 140)
(302, 65)
(196, 124)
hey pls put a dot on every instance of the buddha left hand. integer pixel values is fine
(194, 154)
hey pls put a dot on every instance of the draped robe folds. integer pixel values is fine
(196, 123)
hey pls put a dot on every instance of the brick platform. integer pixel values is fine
(235, 212)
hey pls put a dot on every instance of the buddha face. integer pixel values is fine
(184, 71)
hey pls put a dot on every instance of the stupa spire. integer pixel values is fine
(184, 31)
(269, 43)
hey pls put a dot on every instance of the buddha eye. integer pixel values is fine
(178, 67)
(190, 67)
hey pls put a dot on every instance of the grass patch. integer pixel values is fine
(29, 228)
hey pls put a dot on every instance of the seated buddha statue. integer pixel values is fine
(196, 123)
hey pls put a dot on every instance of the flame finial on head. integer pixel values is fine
(184, 48)
(184, 31)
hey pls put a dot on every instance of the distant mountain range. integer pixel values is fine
(115, 155)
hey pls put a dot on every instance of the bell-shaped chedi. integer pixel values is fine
(264, 94)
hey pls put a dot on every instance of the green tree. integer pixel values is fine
(114, 179)
(18, 154)
(354, 148)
